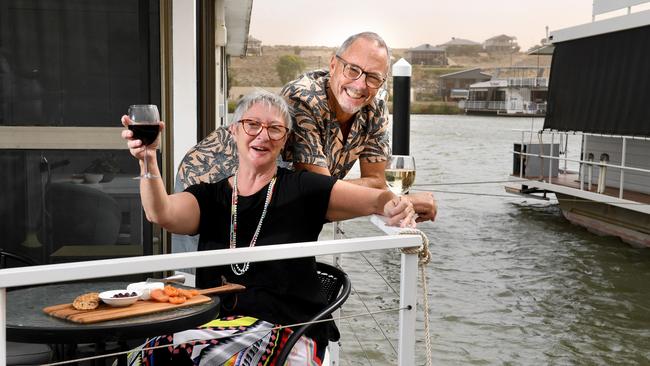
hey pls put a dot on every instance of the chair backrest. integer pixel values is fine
(82, 215)
(336, 286)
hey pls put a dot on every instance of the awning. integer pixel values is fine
(600, 84)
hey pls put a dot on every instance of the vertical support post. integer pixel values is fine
(401, 107)
(566, 152)
(334, 348)
(550, 159)
(582, 164)
(623, 152)
(407, 299)
(3, 326)
(521, 156)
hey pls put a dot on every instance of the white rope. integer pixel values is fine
(424, 257)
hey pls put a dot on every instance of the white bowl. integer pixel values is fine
(93, 178)
(107, 297)
(145, 287)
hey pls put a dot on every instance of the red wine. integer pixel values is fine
(146, 133)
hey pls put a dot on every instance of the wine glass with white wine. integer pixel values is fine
(400, 173)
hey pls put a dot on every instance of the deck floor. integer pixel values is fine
(573, 181)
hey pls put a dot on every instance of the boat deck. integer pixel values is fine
(572, 180)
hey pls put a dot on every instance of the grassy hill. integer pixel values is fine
(259, 71)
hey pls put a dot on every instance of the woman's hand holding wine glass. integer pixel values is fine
(144, 125)
(400, 176)
(400, 173)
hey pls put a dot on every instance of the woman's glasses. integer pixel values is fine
(353, 72)
(254, 128)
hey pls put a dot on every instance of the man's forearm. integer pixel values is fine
(372, 182)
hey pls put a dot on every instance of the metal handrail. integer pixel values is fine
(582, 163)
(53, 273)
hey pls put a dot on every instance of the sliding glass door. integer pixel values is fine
(69, 69)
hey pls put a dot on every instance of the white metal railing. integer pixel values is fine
(582, 162)
(512, 106)
(529, 82)
(53, 273)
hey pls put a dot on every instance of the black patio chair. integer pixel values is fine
(19, 353)
(336, 286)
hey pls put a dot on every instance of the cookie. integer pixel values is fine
(87, 301)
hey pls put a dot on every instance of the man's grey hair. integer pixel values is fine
(371, 36)
(266, 98)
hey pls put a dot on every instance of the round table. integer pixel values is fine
(26, 321)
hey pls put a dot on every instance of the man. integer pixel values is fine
(338, 120)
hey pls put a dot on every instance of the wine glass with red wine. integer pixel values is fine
(145, 127)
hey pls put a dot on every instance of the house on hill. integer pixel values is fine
(253, 46)
(455, 85)
(427, 54)
(461, 47)
(501, 44)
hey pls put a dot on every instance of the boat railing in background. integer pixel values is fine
(606, 6)
(586, 165)
(512, 106)
(54, 273)
(528, 82)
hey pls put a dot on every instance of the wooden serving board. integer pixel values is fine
(105, 312)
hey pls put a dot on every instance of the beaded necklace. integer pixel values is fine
(237, 268)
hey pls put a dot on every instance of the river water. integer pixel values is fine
(511, 282)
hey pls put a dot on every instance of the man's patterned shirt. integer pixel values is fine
(317, 137)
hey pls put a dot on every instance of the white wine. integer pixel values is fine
(400, 180)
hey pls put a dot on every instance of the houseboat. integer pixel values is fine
(598, 95)
(512, 91)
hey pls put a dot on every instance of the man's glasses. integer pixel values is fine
(254, 128)
(354, 72)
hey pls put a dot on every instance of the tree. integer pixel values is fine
(288, 67)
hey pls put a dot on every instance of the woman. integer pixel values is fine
(260, 204)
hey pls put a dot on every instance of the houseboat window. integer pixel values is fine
(68, 70)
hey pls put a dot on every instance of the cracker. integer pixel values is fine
(87, 301)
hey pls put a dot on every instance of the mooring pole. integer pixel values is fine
(401, 107)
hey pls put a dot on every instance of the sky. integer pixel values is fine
(410, 23)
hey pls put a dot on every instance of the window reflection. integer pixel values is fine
(77, 63)
(66, 205)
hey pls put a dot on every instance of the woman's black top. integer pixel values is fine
(281, 291)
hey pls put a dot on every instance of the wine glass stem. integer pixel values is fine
(146, 167)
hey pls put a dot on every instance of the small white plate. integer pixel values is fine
(146, 288)
(108, 297)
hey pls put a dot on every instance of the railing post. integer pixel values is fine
(582, 165)
(407, 317)
(3, 326)
(621, 183)
(521, 156)
(550, 161)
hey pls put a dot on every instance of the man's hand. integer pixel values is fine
(425, 205)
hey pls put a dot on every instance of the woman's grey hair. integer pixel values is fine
(266, 98)
(372, 36)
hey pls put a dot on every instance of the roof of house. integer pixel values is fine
(501, 37)
(427, 47)
(459, 42)
(474, 73)
(252, 39)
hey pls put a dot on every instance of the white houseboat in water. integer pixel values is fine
(512, 91)
(598, 94)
